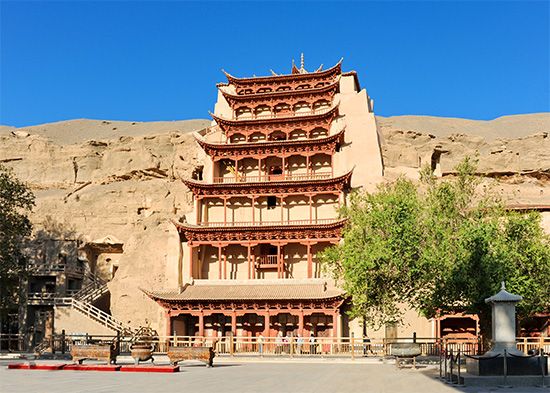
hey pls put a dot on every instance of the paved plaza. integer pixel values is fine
(238, 376)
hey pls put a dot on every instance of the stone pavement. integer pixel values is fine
(243, 376)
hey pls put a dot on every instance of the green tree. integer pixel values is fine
(440, 246)
(16, 201)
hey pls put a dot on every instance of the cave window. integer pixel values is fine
(271, 201)
(197, 173)
(436, 163)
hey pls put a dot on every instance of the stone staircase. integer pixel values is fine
(95, 314)
(91, 292)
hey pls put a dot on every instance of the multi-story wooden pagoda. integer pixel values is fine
(277, 164)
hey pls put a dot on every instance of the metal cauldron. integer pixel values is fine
(141, 352)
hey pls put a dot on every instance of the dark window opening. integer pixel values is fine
(271, 202)
(436, 157)
(197, 173)
(276, 170)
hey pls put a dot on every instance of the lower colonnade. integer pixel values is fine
(213, 323)
(270, 308)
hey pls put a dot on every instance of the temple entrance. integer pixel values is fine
(319, 324)
(285, 323)
(250, 325)
(458, 327)
(185, 325)
(217, 325)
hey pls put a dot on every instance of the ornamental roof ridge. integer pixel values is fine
(219, 119)
(287, 142)
(248, 97)
(236, 80)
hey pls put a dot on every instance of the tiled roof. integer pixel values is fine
(314, 291)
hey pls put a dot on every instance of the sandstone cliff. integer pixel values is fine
(123, 179)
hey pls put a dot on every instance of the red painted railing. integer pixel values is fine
(282, 114)
(268, 223)
(266, 178)
(267, 261)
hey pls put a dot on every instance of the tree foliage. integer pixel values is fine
(441, 246)
(16, 201)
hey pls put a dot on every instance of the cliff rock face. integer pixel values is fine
(513, 152)
(102, 178)
(128, 187)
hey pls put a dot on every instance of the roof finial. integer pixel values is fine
(302, 62)
(502, 286)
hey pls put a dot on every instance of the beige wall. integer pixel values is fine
(105, 264)
(295, 256)
(74, 322)
(362, 147)
(295, 207)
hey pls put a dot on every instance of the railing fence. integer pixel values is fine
(352, 347)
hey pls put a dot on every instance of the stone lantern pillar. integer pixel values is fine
(504, 322)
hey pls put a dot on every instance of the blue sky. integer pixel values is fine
(148, 61)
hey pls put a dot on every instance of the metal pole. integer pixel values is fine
(542, 359)
(445, 359)
(451, 367)
(440, 365)
(63, 341)
(458, 364)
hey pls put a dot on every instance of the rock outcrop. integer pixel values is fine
(123, 179)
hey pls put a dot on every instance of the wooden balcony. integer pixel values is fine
(266, 262)
(313, 221)
(267, 178)
(41, 268)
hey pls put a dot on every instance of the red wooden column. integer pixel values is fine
(236, 170)
(266, 324)
(253, 209)
(279, 261)
(331, 165)
(219, 261)
(301, 323)
(168, 323)
(201, 324)
(249, 261)
(335, 324)
(309, 261)
(234, 322)
(260, 169)
(307, 166)
(190, 260)
(225, 265)
(224, 210)
(197, 209)
(283, 168)
(310, 208)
